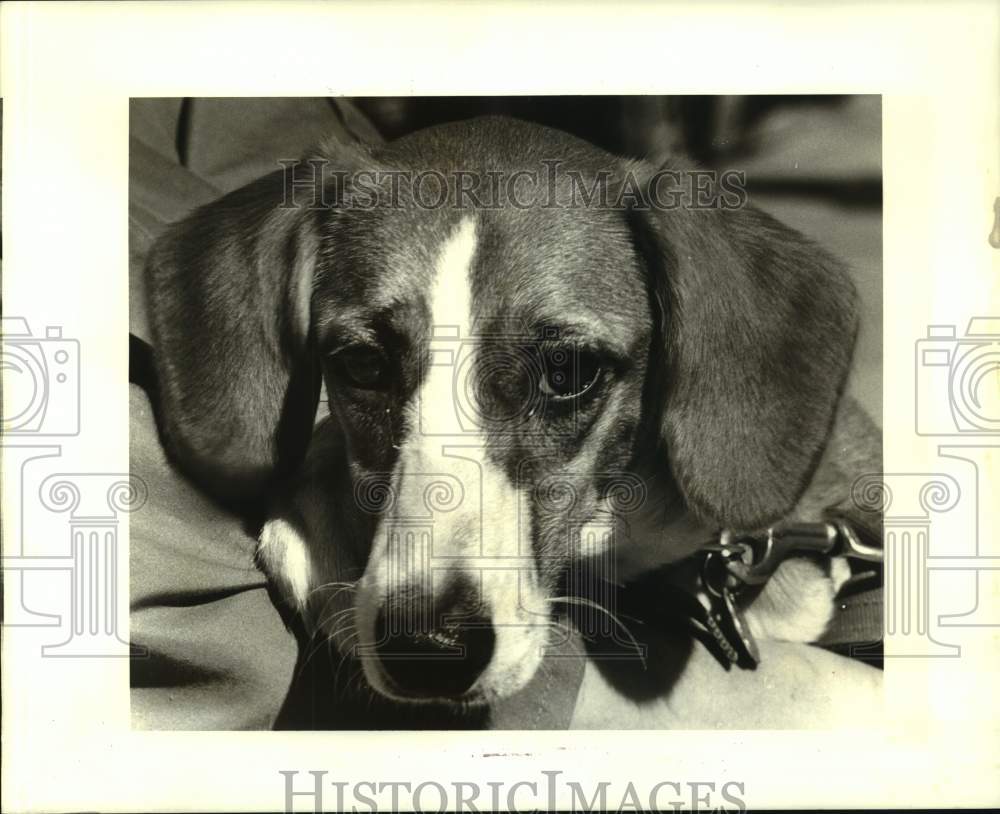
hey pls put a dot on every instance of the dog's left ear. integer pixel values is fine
(758, 326)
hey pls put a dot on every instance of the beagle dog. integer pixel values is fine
(528, 353)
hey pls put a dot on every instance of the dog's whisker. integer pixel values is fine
(344, 655)
(343, 638)
(589, 603)
(313, 633)
(333, 620)
(320, 641)
(309, 656)
(351, 637)
(340, 586)
(560, 627)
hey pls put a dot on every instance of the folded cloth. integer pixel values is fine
(210, 651)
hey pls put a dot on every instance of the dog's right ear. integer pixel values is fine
(229, 291)
(757, 331)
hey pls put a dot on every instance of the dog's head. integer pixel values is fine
(514, 328)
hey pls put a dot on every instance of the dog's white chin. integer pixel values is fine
(518, 658)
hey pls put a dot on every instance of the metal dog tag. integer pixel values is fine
(725, 620)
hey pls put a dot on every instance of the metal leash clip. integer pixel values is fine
(736, 562)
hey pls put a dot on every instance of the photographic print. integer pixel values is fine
(473, 407)
(538, 412)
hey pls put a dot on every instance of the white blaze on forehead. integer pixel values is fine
(446, 442)
(451, 300)
(451, 317)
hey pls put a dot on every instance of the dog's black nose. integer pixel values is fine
(437, 651)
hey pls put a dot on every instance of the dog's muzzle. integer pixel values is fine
(434, 647)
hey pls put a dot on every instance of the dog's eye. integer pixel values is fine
(362, 366)
(568, 374)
